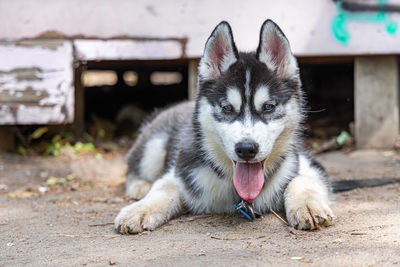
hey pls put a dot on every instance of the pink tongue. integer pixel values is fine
(248, 180)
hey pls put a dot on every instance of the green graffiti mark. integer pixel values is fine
(339, 22)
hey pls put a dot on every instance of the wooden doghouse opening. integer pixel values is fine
(119, 94)
(137, 88)
(329, 90)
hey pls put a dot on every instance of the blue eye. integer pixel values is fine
(268, 107)
(227, 108)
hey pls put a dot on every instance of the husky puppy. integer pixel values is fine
(240, 140)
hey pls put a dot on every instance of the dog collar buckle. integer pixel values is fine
(247, 210)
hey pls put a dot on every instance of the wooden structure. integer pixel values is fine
(43, 44)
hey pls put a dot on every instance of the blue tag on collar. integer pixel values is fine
(244, 213)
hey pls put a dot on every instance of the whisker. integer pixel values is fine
(315, 111)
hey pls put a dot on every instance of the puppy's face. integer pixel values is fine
(250, 98)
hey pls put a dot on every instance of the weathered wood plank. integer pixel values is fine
(193, 73)
(7, 138)
(79, 120)
(128, 49)
(36, 82)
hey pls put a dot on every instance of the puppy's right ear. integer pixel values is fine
(219, 54)
(274, 51)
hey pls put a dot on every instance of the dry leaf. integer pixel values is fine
(39, 132)
(52, 180)
(3, 187)
(296, 258)
(25, 193)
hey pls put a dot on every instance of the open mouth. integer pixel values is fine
(248, 179)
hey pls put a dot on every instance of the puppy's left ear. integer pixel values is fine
(274, 51)
(219, 53)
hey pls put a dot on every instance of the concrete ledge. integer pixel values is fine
(376, 104)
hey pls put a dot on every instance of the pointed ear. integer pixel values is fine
(219, 54)
(274, 51)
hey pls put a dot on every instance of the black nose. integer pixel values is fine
(246, 150)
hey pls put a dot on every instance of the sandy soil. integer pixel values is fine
(69, 225)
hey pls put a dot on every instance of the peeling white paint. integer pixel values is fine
(128, 49)
(41, 115)
(44, 67)
(6, 116)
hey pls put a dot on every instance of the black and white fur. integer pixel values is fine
(185, 157)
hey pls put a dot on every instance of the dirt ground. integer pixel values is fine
(70, 223)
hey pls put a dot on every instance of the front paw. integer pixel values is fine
(309, 214)
(138, 217)
(138, 189)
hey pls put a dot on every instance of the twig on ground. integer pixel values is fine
(86, 236)
(358, 233)
(328, 145)
(100, 224)
(230, 239)
(279, 217)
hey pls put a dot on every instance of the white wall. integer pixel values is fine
(307, 23)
